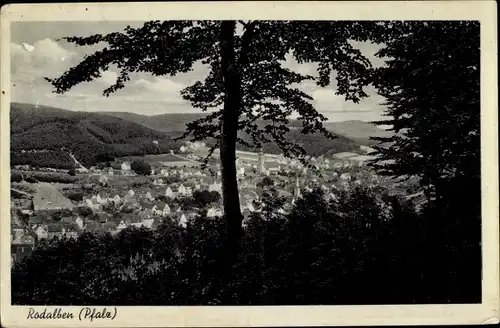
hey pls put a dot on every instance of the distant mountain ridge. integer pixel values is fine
(44, 135)
(315, 144)
(175, 122)
(359, 131)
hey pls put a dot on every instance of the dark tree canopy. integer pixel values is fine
(141, 167)
(266, 182)
(431, 85)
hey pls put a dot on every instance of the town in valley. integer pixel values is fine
(112, 198)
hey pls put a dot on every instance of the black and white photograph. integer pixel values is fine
(245, 162)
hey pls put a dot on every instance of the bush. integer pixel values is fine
(72, 172)
(84, 211)
(53, 177)
(75, 196)
(31, 179)
(141, 168)
(266, 182)
(104, 157)
(16, 176)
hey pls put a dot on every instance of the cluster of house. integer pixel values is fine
(144, 208)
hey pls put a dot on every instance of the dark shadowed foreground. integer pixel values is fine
(360, 249)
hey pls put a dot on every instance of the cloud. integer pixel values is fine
(44, 55)
(159, 85)
(30, 63)
(158, 89)
(145, 94)
(369, 50)
(301, 68)
(108, 78)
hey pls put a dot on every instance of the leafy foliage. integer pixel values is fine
(50, 158)
(203, 197)
(433, 97)
(265, 182)
(437, 132)
(141, 167)
(76, 196)
(34, 177)
(16, 176)
(357, 250)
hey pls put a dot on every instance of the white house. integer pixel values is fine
(41, 231)
(125, 167)
(213, 212)
(148, 223)
(121, 226)
(117, 199)
(166, 210)
(183, 220)
(103, 180)
(158, 182)
(345, 176)
(215, 187)
(182, 190)
(93, 206)
(169, 193)
(79, 222)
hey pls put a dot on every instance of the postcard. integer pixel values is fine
(232, 164)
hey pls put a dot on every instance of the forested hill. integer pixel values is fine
(315, 144)
(358, 131)
(175, 122)
(45, 131)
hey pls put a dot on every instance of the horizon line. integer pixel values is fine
(174, 113)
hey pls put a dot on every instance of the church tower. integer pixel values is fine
(296, 190)
(262, 169)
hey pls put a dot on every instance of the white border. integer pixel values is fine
(484, 11)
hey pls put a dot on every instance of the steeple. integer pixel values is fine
(262, 169)
(296, 190)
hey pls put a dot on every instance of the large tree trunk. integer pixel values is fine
(229, 130)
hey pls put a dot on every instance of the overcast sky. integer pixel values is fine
(35, 53)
